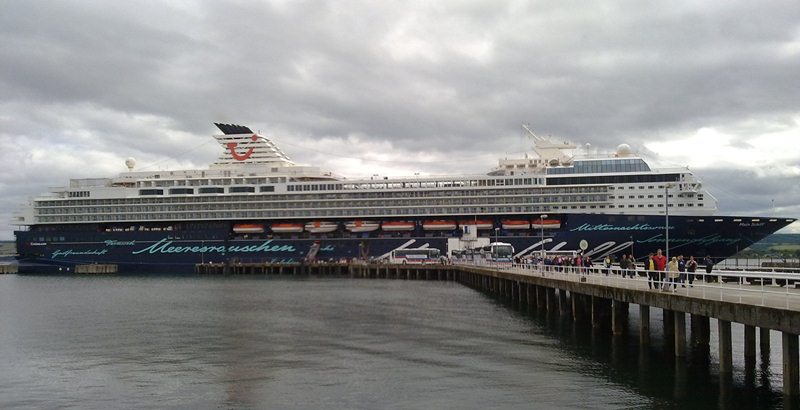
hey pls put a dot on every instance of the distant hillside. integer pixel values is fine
(782, 238)
(785, 245)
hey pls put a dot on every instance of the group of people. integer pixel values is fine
(661, 273)
(577, 263)
(627, 266)
(666, 275)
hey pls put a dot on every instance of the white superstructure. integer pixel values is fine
(254, 180)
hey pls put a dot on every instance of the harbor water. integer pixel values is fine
(98, 342)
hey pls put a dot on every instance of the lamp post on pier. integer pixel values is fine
(541, 221)
(634, 258)
(666, 218)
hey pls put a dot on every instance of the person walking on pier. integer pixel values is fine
(674, 275)
(682, 270)
(709, 265)
(691, 266)
(652, 274)
(661, 265)
(632, 265)
(623, 265)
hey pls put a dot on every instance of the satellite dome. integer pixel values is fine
(624, 150)
(130, 163)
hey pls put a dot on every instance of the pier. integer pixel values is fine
(96, 268)
(601, 299)
(10, 268)
(596, 298)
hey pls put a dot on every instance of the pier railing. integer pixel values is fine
(771, 289)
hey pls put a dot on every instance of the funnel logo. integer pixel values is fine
(237, 156)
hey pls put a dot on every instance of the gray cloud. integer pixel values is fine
(447, 82)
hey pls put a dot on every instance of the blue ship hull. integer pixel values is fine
(180, 250)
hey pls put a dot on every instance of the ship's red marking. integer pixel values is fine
(241, 157)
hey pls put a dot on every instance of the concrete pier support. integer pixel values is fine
(763, 340)
(791, 365)
(551, 300)
(619, 312)
(541, 297)
(644, 325)
(563, 302)
(725, 350)
(669, 323)
(578, 307)
(679, 320)
(600, 308)
(749, 343)
(530, 291)
(701, 329)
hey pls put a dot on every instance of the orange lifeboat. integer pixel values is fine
(394, 226)
(362, 226)
(515, 224)
(286, 227)
(439, 225)
(481, 224)
(546, 223)
(321, 227)
(248, 228)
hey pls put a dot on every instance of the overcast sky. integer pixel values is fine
(400, 87)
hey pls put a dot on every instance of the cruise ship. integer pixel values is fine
(255, 205)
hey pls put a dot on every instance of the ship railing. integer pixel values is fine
(760, 288)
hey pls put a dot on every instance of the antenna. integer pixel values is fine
(531, 134)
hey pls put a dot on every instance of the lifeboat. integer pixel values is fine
(362, 226)
(286, 228)
(481, 224)
(515, 224)
(321, 227)
(394, 226)
(248, 228)
(546, 224)
(439, 225)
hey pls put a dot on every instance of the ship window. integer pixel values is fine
(242, 189)
(211, 190)
(181, 191)
(267, 188)
(151, 192)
